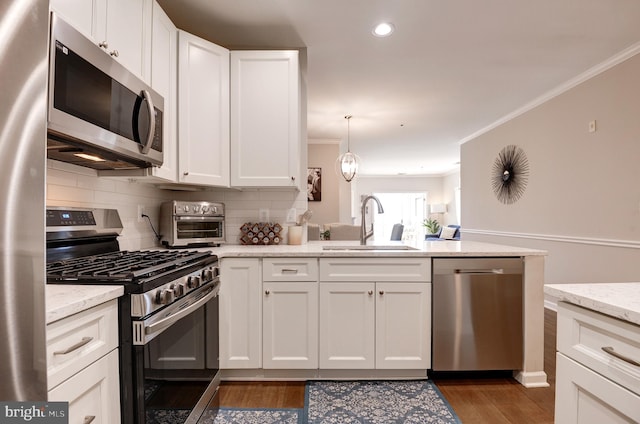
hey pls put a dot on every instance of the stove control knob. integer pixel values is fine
(179, 289)
(207, 274)
(186, 208)
(165, 296)
(194, 281)
(205, 209)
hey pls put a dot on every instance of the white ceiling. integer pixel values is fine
(451, 68)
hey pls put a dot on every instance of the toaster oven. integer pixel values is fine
(192, 224)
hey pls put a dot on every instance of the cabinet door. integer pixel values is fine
(585, 397)
(347, 325)
(164, 80)
(203, 111)
(182, 346)
(265, 119)
(290, 325)
(403, 325)
(93, 393)
(128, 34)
(240, 313)
(84, 16)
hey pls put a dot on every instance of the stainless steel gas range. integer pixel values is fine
(162, 288)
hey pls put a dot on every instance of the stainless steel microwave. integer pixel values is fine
(100, 115)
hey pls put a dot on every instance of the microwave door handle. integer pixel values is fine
(152, 122)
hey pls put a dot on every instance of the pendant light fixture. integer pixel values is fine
(347, 163)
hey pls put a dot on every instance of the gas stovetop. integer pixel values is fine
(124, 266)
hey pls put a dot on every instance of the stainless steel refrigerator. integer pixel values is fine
(23, 82)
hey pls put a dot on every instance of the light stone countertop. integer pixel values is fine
(423, 249)
(63, 300)
(619, 300)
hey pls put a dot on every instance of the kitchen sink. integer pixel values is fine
(369, 247)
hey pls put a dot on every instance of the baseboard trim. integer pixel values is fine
(627, 244)
(531, 379)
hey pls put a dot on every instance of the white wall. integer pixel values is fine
(582, 202)
(323, 154)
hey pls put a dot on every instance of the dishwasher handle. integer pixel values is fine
(479, 271)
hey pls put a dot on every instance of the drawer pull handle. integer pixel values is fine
(76, 346)
(612, 352)
(293, 270)
(88, 419)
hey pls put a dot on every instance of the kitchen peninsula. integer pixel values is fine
(255, 345)
(597, 363)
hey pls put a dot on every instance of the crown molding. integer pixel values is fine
(588, 74)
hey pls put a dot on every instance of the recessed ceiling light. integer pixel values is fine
(383, 29)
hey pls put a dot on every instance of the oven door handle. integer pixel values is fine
(200, 218)
(160, 326)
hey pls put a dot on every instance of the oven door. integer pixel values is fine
(178, 379)
(199, 229)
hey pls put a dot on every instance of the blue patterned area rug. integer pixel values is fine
(228, 416)
(376, 402)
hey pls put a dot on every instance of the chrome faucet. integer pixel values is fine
(364, 235)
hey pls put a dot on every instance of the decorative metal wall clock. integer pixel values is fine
(510, 174)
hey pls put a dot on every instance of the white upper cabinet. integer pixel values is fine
(164, 80)
(203, 112)
(265, 119)
(121, 27)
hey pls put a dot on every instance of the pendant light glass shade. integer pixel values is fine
(347, 163)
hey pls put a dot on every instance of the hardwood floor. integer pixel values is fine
(493, 400)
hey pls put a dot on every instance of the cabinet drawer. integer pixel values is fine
(585, 336)
(93, 392)
(77, 341)
(289, 269)
(375, 269)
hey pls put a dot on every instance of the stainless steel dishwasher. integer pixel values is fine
(477, 314)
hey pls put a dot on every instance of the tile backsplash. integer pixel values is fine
(70, 185)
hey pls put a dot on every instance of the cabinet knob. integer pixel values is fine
(114, 53)
(381, 292)
(293, 178)
(267, 292)
(370, 292)
(104, 45)
(88, 419)
(185, 173)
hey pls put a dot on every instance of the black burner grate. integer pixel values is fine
(122, 265)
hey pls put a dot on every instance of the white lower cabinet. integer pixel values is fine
(240, 313)
(347, 325)
(375, 313)
(290, 313)
(93, 393)
(290, 325)
(381, 325)
(403, 325)
(596, 379)
(325, 314)
(82, 364)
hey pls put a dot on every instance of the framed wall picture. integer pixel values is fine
(314, 184)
